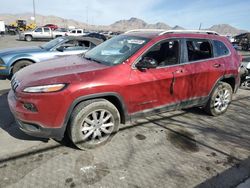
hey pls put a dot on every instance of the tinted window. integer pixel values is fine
(198, 49)
(39, 30)
(79, 31)
(46, 30)
(74, 31)
(164, 53)
(220, 48)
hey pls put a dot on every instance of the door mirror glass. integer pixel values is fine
(146, 63)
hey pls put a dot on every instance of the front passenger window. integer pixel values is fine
(165, 53)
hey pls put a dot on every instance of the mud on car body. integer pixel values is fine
(139, 73)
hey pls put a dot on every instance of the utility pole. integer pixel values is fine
(87, 16)
(200, 26)
(34, 11)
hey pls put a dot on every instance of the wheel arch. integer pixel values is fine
(112, 97)
(230, 79)
(20, 59)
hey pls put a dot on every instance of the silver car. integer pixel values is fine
(12, 60)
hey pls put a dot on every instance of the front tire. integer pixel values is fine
(19, 65)
(93, 123)
(220, 99)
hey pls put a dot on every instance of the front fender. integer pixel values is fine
(16, 58)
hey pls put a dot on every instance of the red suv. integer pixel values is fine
(135, 74)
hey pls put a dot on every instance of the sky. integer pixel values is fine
(188, 14)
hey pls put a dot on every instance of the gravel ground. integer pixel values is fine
(184, 148)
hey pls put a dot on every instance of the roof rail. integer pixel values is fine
(145, 30)
(190, 31)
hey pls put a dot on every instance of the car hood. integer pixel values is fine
(20, 50)
(65, 69)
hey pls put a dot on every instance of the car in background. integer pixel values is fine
(245, 72)
(12, 60)
(97, 35)
(52, 26)
(76, 32)
(42, 33)
(136, 74)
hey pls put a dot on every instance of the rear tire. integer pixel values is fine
(93, 123)
(219, 100)
(19, 65)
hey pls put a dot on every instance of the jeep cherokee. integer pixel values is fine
(138, 73)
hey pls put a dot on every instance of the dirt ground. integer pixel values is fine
(185, 148)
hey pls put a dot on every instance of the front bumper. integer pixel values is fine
(39, 131)
(48, 122)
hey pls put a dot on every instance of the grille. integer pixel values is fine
(14, 83)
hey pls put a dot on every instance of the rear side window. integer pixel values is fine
(198, 49)
(220, 48)
(79, 31)
(46, 30)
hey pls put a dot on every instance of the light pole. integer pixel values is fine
(34, 11)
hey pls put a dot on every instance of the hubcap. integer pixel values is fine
(97, 126)
(222, 100)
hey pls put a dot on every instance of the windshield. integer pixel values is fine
(116, 50)
(51, 44)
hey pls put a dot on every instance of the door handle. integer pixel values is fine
(217, 65)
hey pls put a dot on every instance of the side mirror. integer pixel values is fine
(60, 48)
(146, 63)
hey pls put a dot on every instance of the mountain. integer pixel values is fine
(132, 23)
(42, 20)
(158, 25)
(226, 29)
(122, 25)
(177, 27)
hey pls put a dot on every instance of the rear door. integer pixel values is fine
(204, 68)
(47, 33)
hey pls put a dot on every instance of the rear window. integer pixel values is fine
(220, 49)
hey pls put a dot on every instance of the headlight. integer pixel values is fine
(45, 88)
(1, 62)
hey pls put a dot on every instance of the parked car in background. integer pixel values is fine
(59, 32)
(42, 33)
(37, 34)
(51, 26)
(97, 35)
(76, 32)
(139, 73)
(245, 72)
(12, 60)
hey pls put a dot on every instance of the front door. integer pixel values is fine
(163, 86)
